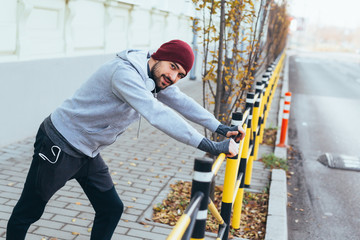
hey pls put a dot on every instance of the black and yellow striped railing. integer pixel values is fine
(238, 170)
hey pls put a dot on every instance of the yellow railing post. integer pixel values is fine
(268, 98)
(230, 179)
(228, 192)
(257, 120)
(254, 132)
(265, 81)
(243, 164)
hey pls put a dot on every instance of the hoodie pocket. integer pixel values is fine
(97, 130)
(97, 137)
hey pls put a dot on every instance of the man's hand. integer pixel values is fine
(228, 146)
(237, 135)
(233, 149)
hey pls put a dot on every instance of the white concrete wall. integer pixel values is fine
(49, 47)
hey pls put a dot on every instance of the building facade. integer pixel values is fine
(48, 48)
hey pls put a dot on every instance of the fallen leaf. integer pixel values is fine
(75, 233)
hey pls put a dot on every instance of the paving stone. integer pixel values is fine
(78, 229)
(49, 224)
(129, 217)
(48, 232)
(71, 220)
(162, 230)
(121, 236)
(61, 211)
(132, 210)
(146, 234)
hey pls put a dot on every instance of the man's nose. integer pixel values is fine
(173, 76)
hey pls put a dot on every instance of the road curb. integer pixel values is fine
(276, 224)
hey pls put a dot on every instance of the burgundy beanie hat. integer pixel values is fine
(176, 51)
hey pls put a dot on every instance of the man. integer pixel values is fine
(68, 142)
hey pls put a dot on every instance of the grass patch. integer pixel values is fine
(271, 161)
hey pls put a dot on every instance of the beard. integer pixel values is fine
(156, 76)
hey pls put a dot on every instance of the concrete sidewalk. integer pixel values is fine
(142, 169)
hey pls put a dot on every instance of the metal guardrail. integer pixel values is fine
(238, 169)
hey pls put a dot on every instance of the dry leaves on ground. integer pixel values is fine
(253, 217)
(269, 137)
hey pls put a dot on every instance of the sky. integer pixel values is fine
(340, 13)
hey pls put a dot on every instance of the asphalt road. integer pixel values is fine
(324, 203)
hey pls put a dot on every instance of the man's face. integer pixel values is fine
(166, 73)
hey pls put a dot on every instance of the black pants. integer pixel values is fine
(50, 169)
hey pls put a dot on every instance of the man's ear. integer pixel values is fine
(152, 62)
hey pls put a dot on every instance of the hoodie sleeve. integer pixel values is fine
(188, 107)
(128, 85)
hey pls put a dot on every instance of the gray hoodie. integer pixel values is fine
(115, 96)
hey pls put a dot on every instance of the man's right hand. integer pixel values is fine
(236, 132)
(233, 149)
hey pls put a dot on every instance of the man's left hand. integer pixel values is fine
(237, 135)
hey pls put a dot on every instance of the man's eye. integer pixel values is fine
(173, 66)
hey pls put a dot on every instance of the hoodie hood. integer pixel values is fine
(139, 59)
